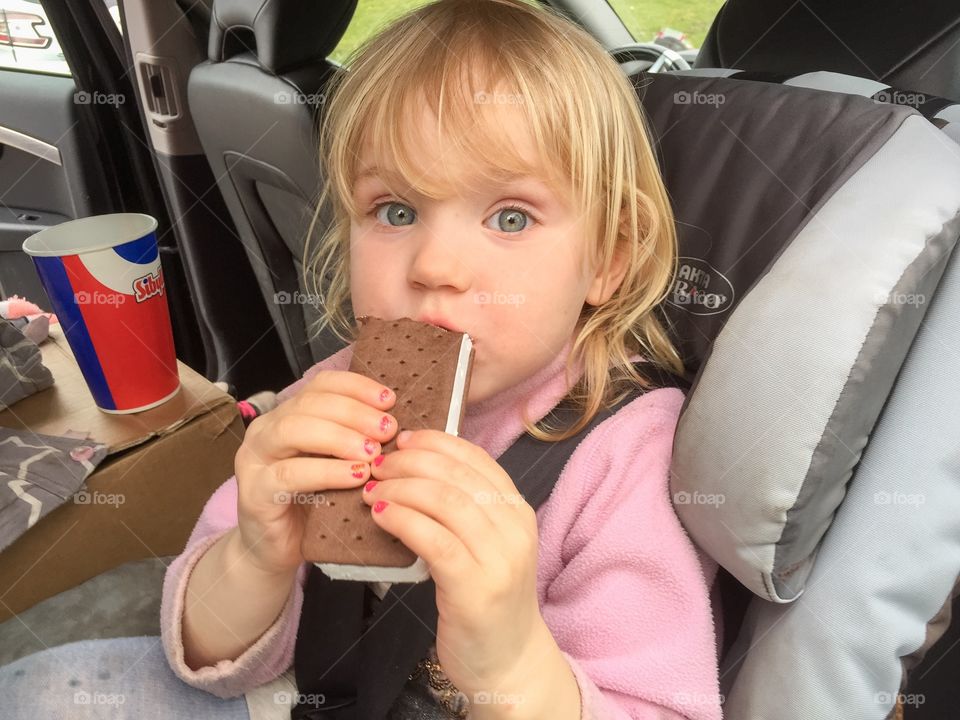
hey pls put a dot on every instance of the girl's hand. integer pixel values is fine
(459, 510)
(340, 414)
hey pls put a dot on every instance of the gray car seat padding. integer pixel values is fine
(746, 165)
(875, 599)
(825, 217)
(799, 373)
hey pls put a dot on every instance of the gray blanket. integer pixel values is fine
(21, 371)
(37, 472)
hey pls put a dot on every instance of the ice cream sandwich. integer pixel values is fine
(428, 367)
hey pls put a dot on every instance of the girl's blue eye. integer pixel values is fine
(394, 213)
(511, 220)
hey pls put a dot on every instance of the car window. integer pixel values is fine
(370, 17)
(27, 41)
(114, 9)
(676, 24)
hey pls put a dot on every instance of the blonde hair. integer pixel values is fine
(457, 55)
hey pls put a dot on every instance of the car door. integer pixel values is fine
(72, 141)
(44, 179)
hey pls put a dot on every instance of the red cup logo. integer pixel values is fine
(147, 286)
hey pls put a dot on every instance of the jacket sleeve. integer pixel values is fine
(621, 586)
(272, 653)
(269, 656)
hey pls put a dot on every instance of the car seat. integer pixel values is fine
(256, 102)
(815, 309)
(909, 45)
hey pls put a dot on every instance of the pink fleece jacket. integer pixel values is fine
(622, 588)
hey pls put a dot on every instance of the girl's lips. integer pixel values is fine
(439, 322)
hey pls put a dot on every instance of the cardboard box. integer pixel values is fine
(145, 497)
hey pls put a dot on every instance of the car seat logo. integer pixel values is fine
(147, 286)
(700, 288)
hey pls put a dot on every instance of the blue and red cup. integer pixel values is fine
(105, 283)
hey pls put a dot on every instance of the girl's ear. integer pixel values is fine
(618, 269)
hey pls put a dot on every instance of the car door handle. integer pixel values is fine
(29, 144)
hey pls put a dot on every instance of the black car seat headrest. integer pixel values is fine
(911, 45)
(287, 33)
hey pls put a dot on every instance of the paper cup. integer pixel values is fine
(105, 283)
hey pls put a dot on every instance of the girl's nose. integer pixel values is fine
(439, 261)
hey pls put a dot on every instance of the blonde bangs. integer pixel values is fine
(460, 90)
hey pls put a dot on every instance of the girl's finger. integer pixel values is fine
(458, 450)
(430, 464)
(446, 556)
(450, 506)
(291, 434)
(345, 411)
(302, 476)
(359, 387)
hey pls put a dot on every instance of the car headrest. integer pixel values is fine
(812, 226)
(909, 44)
(288, 33)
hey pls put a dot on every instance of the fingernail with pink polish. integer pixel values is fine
(369, 446)
(385, 394)
(378, 460)
(379, 506)
(357, 470)
(384, 423)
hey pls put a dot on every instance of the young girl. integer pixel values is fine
(487, 169)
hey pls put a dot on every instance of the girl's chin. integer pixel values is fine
(478, 390)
